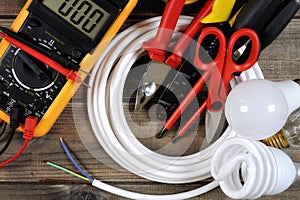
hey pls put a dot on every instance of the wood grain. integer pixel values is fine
(30, 178)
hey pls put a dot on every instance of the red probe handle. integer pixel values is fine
(157, 47)
(69, 74)
(175, 58)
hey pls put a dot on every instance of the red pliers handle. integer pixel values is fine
(157, 47)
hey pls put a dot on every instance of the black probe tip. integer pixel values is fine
(161, 133)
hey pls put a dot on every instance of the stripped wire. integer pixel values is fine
(64, 146)
(68, 171)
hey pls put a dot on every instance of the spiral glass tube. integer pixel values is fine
(248, 169)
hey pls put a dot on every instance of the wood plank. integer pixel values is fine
(30, 191)
(30, 178)
(281, 59)
(80, 191)
(10, 8)
(6, 22)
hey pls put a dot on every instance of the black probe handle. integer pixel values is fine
(256, 14)
(67, 63)
(270, 33)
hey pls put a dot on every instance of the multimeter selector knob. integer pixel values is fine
(31, 73)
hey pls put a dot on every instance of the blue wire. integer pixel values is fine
(74, 162)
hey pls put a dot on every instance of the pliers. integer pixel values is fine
(157, 48)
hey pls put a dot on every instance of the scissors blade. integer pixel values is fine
(214, 125)
(152, 79)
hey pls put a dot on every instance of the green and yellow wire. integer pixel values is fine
(68, 171)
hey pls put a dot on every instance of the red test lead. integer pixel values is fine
(69, 74)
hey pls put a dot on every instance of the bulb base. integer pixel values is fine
(278, 141)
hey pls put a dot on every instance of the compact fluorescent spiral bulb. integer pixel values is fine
(257, 109)
(264, 170)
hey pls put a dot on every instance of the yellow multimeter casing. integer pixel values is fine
(88, 60)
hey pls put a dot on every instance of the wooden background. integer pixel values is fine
(30, 178)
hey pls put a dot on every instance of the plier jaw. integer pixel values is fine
(144, 94)
(152, 79)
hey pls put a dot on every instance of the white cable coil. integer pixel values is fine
(264, 170)
(105, 109)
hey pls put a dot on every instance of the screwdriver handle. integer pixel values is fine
(270, 33)
(256, 14)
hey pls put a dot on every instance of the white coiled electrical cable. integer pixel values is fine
(108, 121)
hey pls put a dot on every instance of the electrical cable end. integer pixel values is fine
(61, 140)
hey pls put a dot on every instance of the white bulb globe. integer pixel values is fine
(256, 109)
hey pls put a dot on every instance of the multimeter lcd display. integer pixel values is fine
(84, 15)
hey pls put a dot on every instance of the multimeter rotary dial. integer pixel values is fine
(31, 73)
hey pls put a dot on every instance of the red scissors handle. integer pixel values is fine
(223, 67)
(232, 67)
(213, 66)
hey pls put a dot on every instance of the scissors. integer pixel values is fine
(272, 27)
(224, 67)
(218, 70)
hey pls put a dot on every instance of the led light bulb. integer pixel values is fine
(257, 109)
(289, 135)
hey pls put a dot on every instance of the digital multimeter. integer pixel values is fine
(77, 29)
